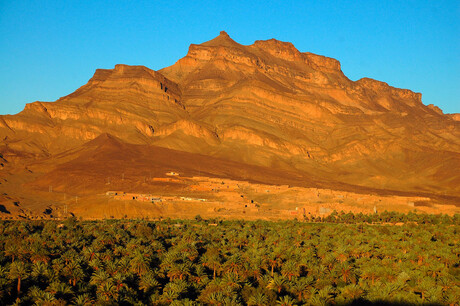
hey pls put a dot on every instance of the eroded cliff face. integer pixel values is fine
(456, 117)
(266, 104)
(127, 101)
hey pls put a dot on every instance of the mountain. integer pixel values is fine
(266, 105)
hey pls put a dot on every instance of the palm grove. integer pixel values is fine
(336, 260)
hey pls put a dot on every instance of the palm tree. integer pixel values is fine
(89, 253)
(232, 281)
(347, 272)
(123, 265)
(341, 253)
(12, 249)
(139, 263)
(148, 282)
(107, 291)
(39, 271)
(451, 298)
(257, 264)
(157, 246)
(179, 287)
(301, 286)
(179, 271)
(37, 294)
(277, 283)
(258, 299)
(39, 253)
(424, 285)
(274, 260)
(371, 270)
(289, 269)
(184, 302)
(96, 264)
(48, 299)
(200, 277)
(214, 286)
(69, 256)
(329, 261)
(18, 271)
(59, 289)
(83, 300)
(222, 300)
(286, 300)
(323, 297)
(188, 251)
(352, 292)
(111, 266)
(73, 272)
(216, 298)
(434, 295)
(99, 277)
(211, 259)
(169, 296)
(119, 280)
(233, 264)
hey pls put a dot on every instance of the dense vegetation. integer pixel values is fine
(341, 261)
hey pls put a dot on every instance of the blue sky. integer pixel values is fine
(50, 48)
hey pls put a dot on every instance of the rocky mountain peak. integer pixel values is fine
(223, 40)
(279, 49)
(265, 104)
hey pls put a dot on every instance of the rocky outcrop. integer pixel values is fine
(127, 101)
(455, 117)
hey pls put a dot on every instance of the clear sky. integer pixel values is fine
(50, 48)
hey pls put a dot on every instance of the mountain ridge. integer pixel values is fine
(262, 105)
